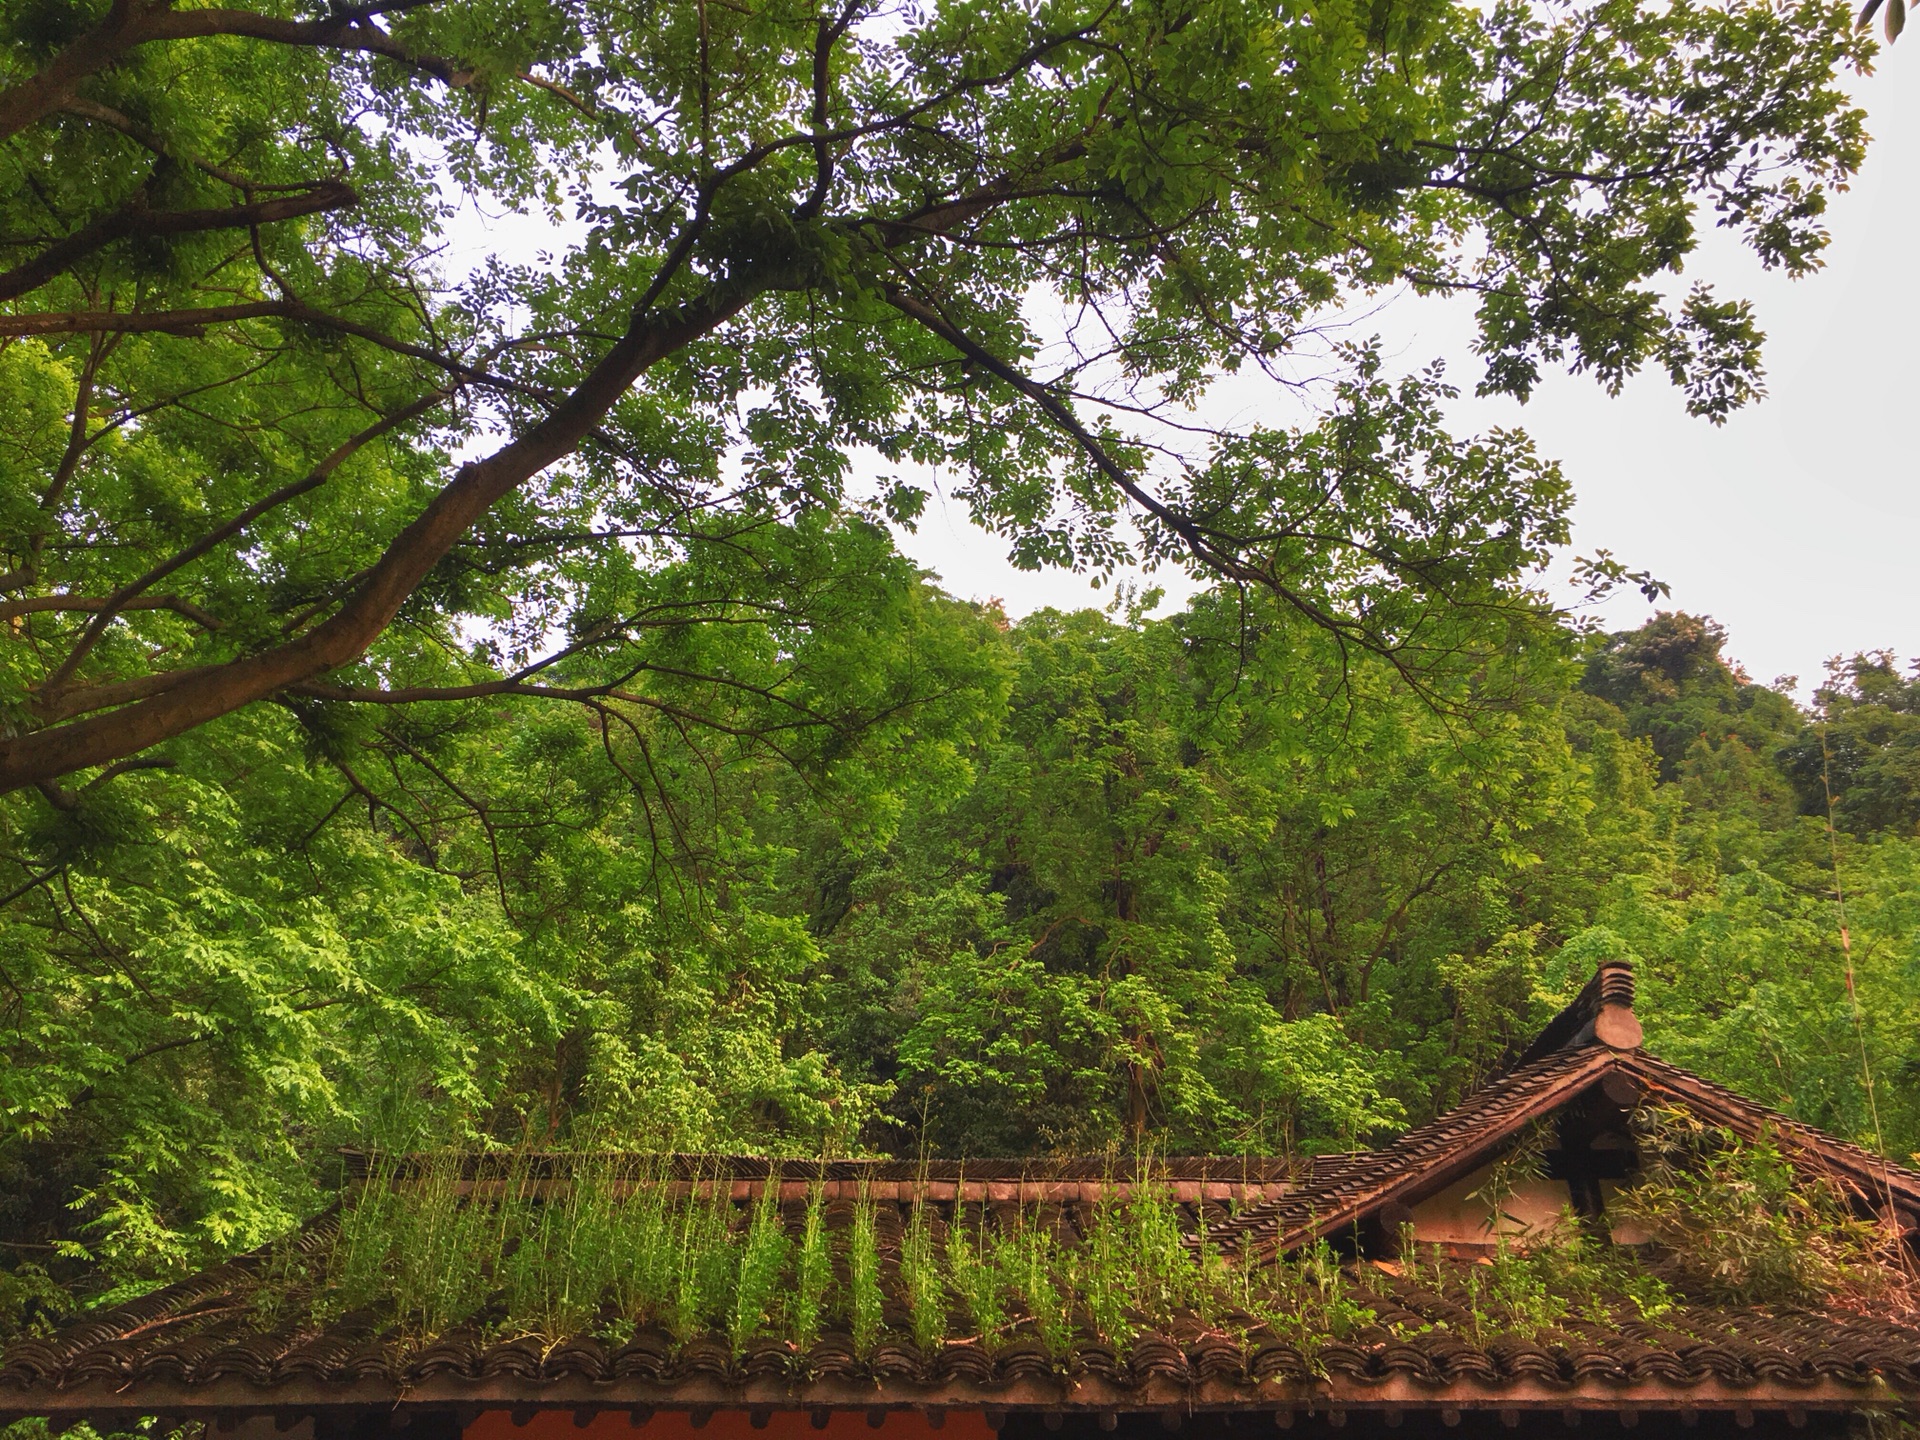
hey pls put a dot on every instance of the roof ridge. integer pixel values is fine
(1457, 1137)
(700, 1165)
(1603, 1010)
(1876, 1169)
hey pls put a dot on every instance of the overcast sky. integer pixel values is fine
(1796, 525)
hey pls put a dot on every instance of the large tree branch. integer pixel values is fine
(86, 604)
(133, 23)
(137, 322)
(134, 218)
(342, 638)
(85, 700)
(127, 597)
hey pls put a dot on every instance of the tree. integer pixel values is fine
(1671, 685)
(1210, 888)
(263, 443)
(1865, 751)
(452, 925)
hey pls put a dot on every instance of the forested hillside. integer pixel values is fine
(1088, 881)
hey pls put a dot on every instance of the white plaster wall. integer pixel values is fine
(1461, 1216)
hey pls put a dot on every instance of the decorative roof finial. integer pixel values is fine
(1614, 1023)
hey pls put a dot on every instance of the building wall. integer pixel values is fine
(1460, 1216)
(730, 1425)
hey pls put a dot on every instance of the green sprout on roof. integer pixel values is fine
(616, 1246)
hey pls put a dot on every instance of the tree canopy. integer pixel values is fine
(1185, 884)
(268, 441)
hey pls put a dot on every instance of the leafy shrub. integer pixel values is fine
(1736, 1222)
(30, 1302)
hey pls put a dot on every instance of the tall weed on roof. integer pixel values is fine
(812, 1273)
(643, 1253)
(865, 1302)
(763, 1264)
(1035, 1268)
(975, 1276)
(703, 1280)
(923, 1286)
(560, 1263)
(411, 1246)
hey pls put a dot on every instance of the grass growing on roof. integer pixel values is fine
(812, 1273)
(763, 1264)
(921, 1283)
(617, 1245)
(1041, 1276)
(418, 1249)
(865, 1301)
(703, 1282)
(974, 1275)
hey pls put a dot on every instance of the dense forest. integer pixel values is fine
(1190, 883)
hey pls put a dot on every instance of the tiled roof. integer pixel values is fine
(1238, 1180)
(1874, 1178)
(1421, 1347)
(1424, 1159)
(228, 1338)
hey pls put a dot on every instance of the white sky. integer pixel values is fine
(1796, 525)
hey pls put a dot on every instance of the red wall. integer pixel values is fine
(729, 1425)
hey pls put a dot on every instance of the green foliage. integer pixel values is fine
(764, 1254)
(641, 1254)
(864, 1299)
(1543, 1281)
(31, 1302)
(662, 797)
(416, 1249)
(704, 1268)
(609, 1245)
(1736, 1222)
(1866, 751)
(921, 1282)
(1308, 1301)
(812, 1273)
(976, 1278)
(1032, 1268)
(1148, 903)
(671, 533)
